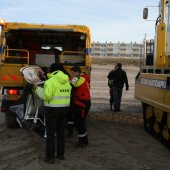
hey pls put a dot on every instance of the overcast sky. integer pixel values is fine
(108, 20)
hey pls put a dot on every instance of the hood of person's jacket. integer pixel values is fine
(59, 76)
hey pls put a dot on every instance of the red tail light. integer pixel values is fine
(3, 109)
(12, 91)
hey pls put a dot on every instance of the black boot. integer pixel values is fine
(83, 142)
(48, 160)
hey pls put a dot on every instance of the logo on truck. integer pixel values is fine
(154, 83)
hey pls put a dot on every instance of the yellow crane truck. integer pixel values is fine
(152, 86)
(23, 44)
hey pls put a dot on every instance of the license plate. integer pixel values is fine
(12, 97)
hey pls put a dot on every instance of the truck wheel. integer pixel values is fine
(148, 118)
(144, 115)
(10, 120)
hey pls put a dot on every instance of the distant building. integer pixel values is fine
(106, 49)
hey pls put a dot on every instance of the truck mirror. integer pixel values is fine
(145, 13)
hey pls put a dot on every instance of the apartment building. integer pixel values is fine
(106, 49)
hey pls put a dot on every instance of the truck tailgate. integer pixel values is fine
(10, 75)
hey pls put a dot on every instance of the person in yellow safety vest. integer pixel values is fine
(56, 96)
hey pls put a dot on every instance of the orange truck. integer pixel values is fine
(23, 44)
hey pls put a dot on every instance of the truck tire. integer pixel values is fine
(144, 116)
(10, 120)
(148, 121)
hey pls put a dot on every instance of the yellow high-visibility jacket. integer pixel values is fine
(56, 91)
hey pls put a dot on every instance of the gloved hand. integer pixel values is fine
(127, 88)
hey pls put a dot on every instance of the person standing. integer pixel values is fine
(119, 78)
(81, 104)
(71, 117)
(110, 84)
(56, 95)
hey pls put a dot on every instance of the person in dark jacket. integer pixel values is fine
(119, 78)
(110, 84)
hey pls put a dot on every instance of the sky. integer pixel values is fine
(108, 20)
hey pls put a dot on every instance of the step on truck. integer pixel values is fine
(152, 86)
(23, 44)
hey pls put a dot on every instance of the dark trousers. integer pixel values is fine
(70, 120)
(80, 114)
(117, 95)
(55, 124)
(111, 97)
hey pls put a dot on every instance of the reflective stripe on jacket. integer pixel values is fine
(56, 91)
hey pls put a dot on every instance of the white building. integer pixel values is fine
(117, 49)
